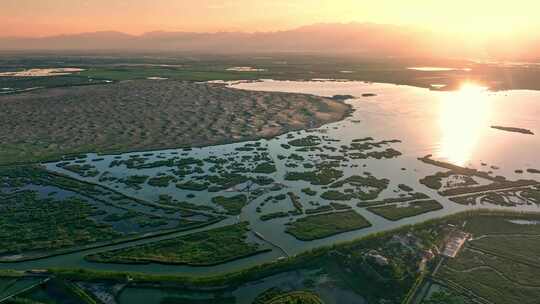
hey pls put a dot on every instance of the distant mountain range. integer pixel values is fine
(363, 39)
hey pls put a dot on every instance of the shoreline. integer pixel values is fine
(341, 114)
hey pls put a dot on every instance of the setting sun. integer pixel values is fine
(464, 115)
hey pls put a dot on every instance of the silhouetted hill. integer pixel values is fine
(364, 39)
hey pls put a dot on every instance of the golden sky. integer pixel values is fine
(51, 17)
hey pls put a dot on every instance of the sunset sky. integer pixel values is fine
(466, 17)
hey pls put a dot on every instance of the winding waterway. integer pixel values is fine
(452, 126)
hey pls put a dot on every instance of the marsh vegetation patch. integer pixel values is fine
(323, 225)
(403, 210)
(43, 213)
(209, 247)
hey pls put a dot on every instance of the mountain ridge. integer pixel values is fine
(369, 39)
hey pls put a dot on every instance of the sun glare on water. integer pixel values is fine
(463, 116)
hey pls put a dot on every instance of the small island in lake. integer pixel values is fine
(512, 129)
(342, 97)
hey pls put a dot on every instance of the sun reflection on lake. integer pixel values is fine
(463, 116)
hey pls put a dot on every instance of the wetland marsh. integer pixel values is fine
(364, 163)
(162, 212)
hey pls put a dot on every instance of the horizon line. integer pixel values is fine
(135, 35)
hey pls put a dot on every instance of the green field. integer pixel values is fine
(323, 225)
(176, 73)
(506, 246)
(500, 225)
(501, 264)
(200, 67)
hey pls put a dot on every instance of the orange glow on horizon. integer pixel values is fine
(477, 19)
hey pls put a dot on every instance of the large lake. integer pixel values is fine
(453, 126)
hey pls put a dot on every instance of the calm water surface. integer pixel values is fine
(453, 126)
